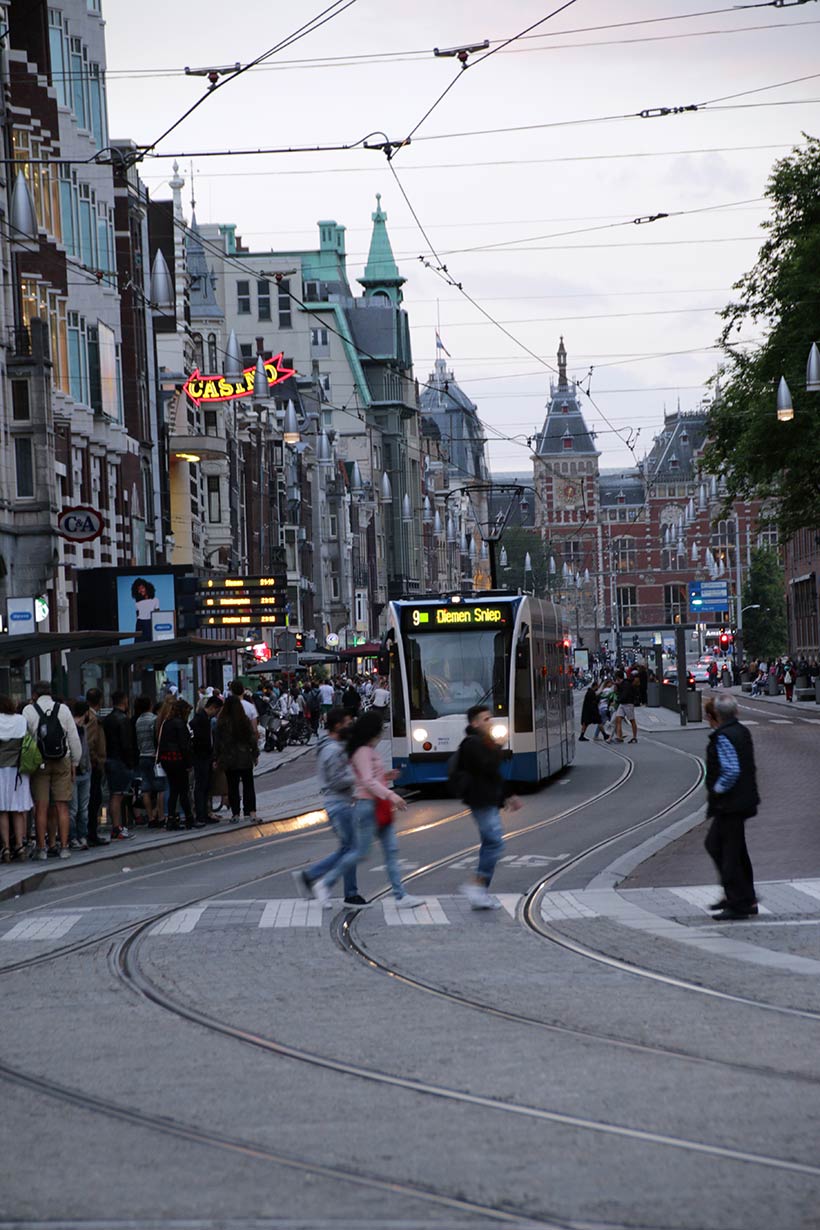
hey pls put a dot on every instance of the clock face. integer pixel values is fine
(568, 493)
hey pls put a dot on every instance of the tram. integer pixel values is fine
(508, 651)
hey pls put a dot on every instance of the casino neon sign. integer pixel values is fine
(210, 389)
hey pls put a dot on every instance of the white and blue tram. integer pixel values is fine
(507, 651)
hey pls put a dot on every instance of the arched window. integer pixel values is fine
(199, 360)
(213, 359)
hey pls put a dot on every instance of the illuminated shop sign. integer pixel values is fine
(437, 618)
(206, 390)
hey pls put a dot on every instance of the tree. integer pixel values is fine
(517, 541)
(759, 457)
(765, 630)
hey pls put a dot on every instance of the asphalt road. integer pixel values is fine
(200, 1052)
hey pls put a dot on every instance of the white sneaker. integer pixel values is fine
(479, 898)
(64, 852)
(409, 902)
(321, 893)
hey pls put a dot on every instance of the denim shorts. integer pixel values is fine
(118, 776)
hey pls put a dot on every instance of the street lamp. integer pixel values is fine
(785, 409)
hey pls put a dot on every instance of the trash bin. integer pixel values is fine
(693, 707)
(773, 688)
(653, 695)
(817, 689)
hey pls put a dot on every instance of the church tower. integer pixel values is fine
(381, 277)
(566, 506)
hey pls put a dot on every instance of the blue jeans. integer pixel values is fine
(390, 849)
(488, 820)
(340, 815)
(363, 823)
(78, 807)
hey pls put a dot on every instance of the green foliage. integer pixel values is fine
(765, 632)
(517, 541)
(760, 457)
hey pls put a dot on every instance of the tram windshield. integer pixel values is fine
(447, 672)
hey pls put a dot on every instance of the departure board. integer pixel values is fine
(455, 615)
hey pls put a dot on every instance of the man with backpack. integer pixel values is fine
(51, 724)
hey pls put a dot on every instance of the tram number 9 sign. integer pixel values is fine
(436, 618)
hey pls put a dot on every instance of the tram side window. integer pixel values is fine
(523, 683)
(397, 695)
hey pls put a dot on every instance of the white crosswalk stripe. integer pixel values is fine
(561, 906)
(704, 895)
(781, 721)
(810, 887)
(509, 901)
(180, 922)
(291, 913)
(42, 927)
(425, 915)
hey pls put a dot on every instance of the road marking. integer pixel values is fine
(751, 722)
(810, 887)
(293, 912)
(425, 915)
(180, 922)
(46, 927)
(509, 901)
(560, 906)
(781, 721)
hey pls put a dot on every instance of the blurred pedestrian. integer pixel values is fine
(337, 781)
(731, 785)
(591, 714)
(626, 708)
(151, 784)
(78, 807)
(51, 724)
(120, 761)
(202, 750)
(174, 754)
(476, 778)
(236, 750)
(15, 791)
(95, 737)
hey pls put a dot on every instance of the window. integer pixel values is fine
(323, 380)
(333, 523)
(285, 318)
(20, 406)
(566, 440)
(199, 359)
(361, 606)
(77, 358)
(105, 257)
(209, 419)
(625, 554)
(522, 713)
(87, 229)
(263, 299)
(318, 337)
(24, 466)
(243, 298)
(68, 209)
(94, 376)
(312, 292)
(213, 358)
(58, 61)
(214, 499)
(97, 105)
(674, 603)
(334, 588)
(246, 350)
(78, 59)
(627, 605)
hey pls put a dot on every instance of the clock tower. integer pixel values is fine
(566, 505)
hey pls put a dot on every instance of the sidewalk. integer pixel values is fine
(299, 803)
(810, 706)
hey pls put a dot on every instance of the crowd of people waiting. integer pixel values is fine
(785, 672)
(163, 764)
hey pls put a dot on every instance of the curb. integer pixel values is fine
(156, 851)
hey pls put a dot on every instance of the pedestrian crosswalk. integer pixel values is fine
(42, 927)
(777, 898)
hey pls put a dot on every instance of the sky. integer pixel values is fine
(636, 302)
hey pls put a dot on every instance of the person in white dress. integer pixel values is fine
(15, 791)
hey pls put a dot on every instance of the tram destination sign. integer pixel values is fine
(243, 601)
(455, 615)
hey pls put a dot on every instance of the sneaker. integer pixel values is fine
(65, 852)
(303, 884)
(125, 834)
(583, 739)
(321, 893)
(82, 845)
(5, 855)
(52, 851)
(357, 901)
(40, 856)
(74, 844)
(409, 902)
(479, 898)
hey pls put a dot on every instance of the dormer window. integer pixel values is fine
(673, 462)
(620, 498)
(684, 437)
(564, 407)
(566, 440)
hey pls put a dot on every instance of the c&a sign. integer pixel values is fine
(207, 390)
(80, 524)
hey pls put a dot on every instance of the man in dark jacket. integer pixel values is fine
(202, 750)
(483, 789)
(121, 760)
(731, 784)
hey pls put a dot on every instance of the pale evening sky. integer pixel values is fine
(624, 296)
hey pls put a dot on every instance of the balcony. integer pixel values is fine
(195, 447)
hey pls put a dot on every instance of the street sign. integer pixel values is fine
(709, 595)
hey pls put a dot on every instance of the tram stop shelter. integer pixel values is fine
(134, 668)
(17, 651)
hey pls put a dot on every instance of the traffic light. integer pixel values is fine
(567, 643)
(300, 641)
(725, 639)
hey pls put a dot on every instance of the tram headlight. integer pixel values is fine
(499, 731)
(419, 734)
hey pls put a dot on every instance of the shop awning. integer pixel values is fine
(33, 644)
(371, 650)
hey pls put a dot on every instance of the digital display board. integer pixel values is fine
(455, 615)
(243, 601)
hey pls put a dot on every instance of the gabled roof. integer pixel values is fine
(564, 420)
(202, 294)
(677, 448)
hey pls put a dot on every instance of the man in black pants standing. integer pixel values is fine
(731, 784)
(202, 747)
(95, 737)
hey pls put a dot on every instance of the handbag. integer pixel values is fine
(159, 772)
(383, 810)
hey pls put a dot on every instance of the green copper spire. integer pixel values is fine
(381, 274)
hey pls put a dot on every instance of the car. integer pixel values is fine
(701, 672)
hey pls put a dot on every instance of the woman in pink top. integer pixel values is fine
(372, 782)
